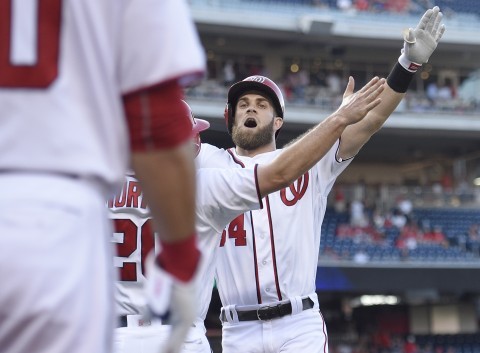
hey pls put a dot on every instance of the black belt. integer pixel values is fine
(268, 312)
(122, 321)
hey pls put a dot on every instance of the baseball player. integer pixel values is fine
(222, 195)
(82, 83)
(267, 262)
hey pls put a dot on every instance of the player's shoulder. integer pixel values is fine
(207, 148)
(212, 157)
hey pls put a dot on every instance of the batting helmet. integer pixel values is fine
(198, 125)
(253, 83)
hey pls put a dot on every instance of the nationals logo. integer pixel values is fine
(297, 189)
(259, 79)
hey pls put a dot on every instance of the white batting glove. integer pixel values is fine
(171, 300)
(421, 42)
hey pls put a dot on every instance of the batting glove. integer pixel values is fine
(172, 301)
(420, 43)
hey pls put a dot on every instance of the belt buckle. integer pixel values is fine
(269, 312)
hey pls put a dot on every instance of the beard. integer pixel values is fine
(248, 141)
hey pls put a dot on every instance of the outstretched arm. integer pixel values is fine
(419, 44)
(306, 151)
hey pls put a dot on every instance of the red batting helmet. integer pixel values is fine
(253, 83)
(198, 125)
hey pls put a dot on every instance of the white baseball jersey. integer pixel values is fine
(277, 258)
(134, 239)
(67, 78)
(221, 196)
(270, 256)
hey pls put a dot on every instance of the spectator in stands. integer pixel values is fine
(339, 202)
(382, 340)
(410, 345)
(229, 73)
(447, 182)
(473, 239)
(405, 206)
(437, 191)
(362, 5)
(408, 238)
(345, 5)
(398, 219)
(361, 256)
(378, 220)
(418, 103)
(399, 6)
(362, 235)
(357, 213)
(432, 92)
(436, 236)
(298, 82)
(334, 83)
(289, 83)
(474, 232)
(444, 92)
(453, 87)
(459, 241)
(330, 253)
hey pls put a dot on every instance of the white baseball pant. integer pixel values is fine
(56, 270)
(149, 339)
(302, 332)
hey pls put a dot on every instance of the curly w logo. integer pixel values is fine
(297, 189)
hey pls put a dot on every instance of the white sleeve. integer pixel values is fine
(164, 45)
(327, 170)
(223, 194)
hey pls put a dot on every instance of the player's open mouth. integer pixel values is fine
(250, 122)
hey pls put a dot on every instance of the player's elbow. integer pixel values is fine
(274, 182)
(282, 181)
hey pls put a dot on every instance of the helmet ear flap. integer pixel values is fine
(228, 115)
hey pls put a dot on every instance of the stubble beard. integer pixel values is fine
(248, 141)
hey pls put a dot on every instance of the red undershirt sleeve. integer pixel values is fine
(156, 117)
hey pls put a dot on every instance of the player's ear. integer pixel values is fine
(277, 123)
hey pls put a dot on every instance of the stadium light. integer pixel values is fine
(370, 300)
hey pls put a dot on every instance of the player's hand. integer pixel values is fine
(355, 106)
(170, 300)
(420, 43)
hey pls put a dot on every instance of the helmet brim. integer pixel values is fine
(200, 125)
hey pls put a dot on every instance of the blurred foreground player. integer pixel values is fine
(81, 83)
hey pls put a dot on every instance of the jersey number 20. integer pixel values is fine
(45, 70)
(128, 272)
